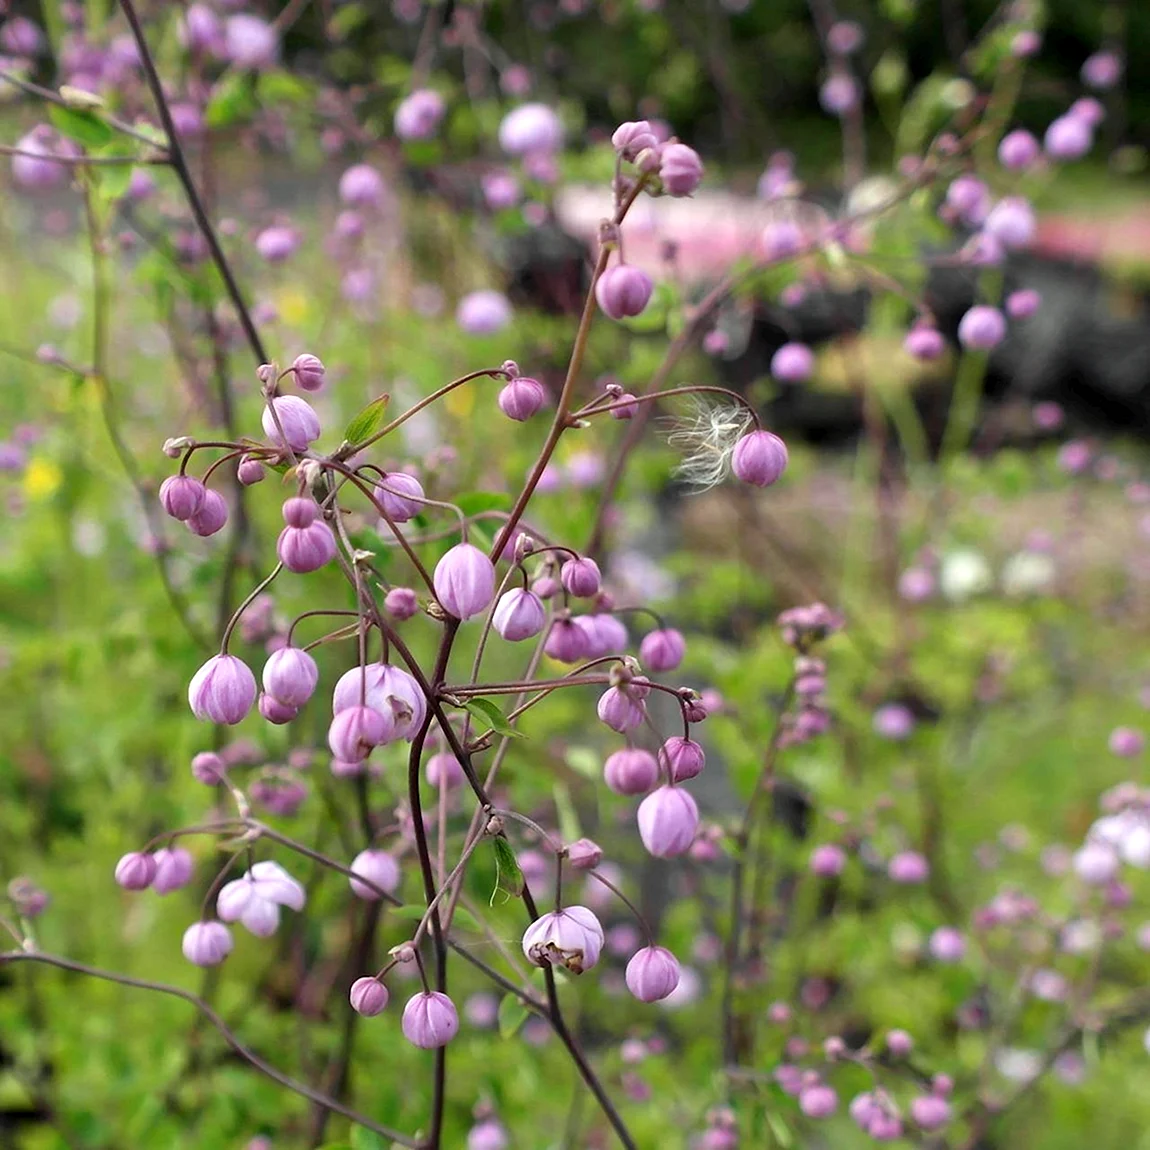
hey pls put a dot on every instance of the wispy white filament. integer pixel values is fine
(705, 436)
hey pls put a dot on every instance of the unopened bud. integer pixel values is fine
(176, 446)
(267, 373)
(510, 368)
(405, 952)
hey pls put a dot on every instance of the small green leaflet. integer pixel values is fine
(487, 712)
(84, 127)
(367, 422)
(508, 876)
(512, 1015)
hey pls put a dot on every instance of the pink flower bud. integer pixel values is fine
(39, 171)
(899, 1043)
(306, 549)
(681, 758)
(583, 854)
(389, 690)
(211, 517)
(207, 943)
(1023, 304)
(380, 869)
(759, 458)
(631, 771)
(400, 495)
(605, 634)
(299, 421)
(1011, 222)
(1102, 70)
(947, 945)
(571, 938)
(580, 578)
(368, 997)
(1096, 863)
(1127, 742)
(793, 363)
(621, 710)
(626, 409)
(250, 471)
(401, 603)
(924, 342)
(662, 650)
(419, 114)
(818, 1101)
(632, 137)
(250, 42)
(519, 615)
(200, 30)
(521, 398)
(174, 868)
(668, 819)
(443, 770)
(1068, 138)
(566, 641)
(182, 496)
(908, 868)
(354, 732)
(361, 186)
(930, 1112)
(208, 768)
(275, 711)
(223, 690)
(136, 871)
(309, 371)
(839, 93)
(483, 312)
(1018, 150)
(828, 860)
(623, 291)
(277, 243)
(487, 1135)
(430, 1020)
(680, 169)
(464, 581)
(530, 128)
(290, 675)
(981, 328)
(652, 973)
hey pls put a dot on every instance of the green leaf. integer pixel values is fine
(487, 712)
(282, 88)
(475, 502)
(114, 181)
(232, 101)
(84, 127)
(508, 876)
(364, 1139)
(367, 422)
(512, 1015)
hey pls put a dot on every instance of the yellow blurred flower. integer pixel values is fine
(42, 478)
(291, 303)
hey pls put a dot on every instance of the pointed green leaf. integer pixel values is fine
(487, 712)
(367, 422)
(84, 127)
(512, 1015)
(508, 876)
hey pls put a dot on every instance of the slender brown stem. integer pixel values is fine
(249, 1056)
(180, 165)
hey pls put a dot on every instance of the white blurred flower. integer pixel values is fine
(964, 574)
(1028, 573)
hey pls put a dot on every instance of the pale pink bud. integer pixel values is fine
(401, 603)
(519, 615)
(207, 943)
(309, 371)
(380, 869)
(623, 291)
(290, 675)
(182, 496)
(652, 973)
(136, 871)
(223, 690)
(668, 819)
(250, 471)
(680, 169)
(354, 732)
(368, 997)
(631, 771)
(828, 860)
(299, 421)
(430, 1020)
(681, 758)
(306, 549)
(400, 495)
(521, 398)
(759, 458)
(361, 186)
(208, 768)
(662, 650)
(580, 578)
(566, 641)
(621, 710)
(583, 854)
(464, 581)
